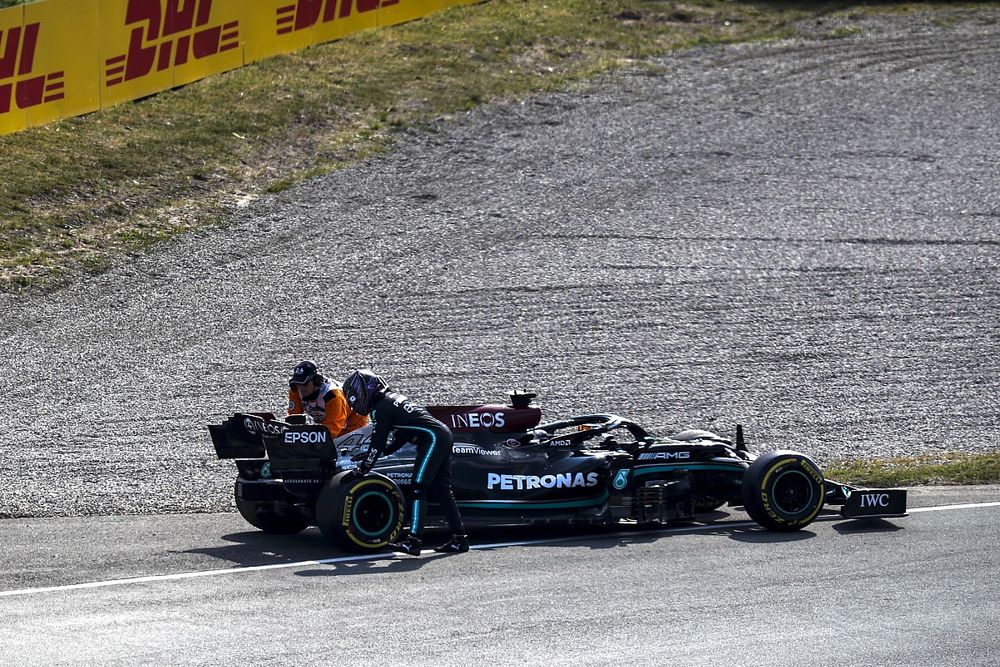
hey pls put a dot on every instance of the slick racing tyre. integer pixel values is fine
(274, 518)
(360, 513)
(783, 490)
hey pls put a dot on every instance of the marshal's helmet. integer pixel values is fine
(361, 389)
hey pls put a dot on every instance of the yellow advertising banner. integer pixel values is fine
(14, 43)
(283, 26)
(152, 45)
(62, 58)
(274, 27)
(351, 16)
(65, 73)
(216, 44)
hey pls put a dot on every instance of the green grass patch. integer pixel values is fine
(78, 192)
(954, 468)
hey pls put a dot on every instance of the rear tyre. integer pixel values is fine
(783, 490)
(273, 518)
(360, 514)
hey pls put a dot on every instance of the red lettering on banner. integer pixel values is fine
(28, 49)
(305, 14)
(170, 32)
(17, 60)
(9, 59)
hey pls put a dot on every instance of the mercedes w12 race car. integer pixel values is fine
(509, 468)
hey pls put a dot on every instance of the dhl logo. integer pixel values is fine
(306, 13)
(17, 60)
(169, 34)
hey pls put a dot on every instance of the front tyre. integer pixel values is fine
(783, 490)
(272, 518)
(360, 513)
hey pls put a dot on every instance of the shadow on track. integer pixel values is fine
(253, 548)
(850, 526)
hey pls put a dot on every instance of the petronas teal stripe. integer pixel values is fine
(532, 504)
(675, 467)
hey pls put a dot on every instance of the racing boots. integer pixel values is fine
(408, 545)
(459, 544)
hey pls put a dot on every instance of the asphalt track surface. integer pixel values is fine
(201, 590)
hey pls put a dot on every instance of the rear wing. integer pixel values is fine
(260, 435)
(254, 436)
(242, 435)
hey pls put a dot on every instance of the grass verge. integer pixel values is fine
(80, 192)
(956, 468)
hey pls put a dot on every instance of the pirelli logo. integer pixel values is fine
(168, 33)
(305, 14)
(20, 86)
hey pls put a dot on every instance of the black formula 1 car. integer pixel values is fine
(509, 468)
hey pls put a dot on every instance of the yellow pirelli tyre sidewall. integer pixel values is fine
(783, 490)
(360, 514)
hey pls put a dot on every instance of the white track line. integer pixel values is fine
(383, 556)
(942, 508)
(188, 575)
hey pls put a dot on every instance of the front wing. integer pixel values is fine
(866, 503)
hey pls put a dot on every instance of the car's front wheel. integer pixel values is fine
(783, 490)
(360, 513)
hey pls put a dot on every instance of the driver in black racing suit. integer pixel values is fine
(367, 394)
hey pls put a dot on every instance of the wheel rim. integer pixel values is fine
(793, 493)
(373, 514)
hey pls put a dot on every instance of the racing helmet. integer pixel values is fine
(361, 389)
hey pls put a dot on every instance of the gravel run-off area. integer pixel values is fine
(798, 236)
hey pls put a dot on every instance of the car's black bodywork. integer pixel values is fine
(507, 468)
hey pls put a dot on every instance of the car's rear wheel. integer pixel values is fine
(270, 517)
(360, 513)
(783, 490)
